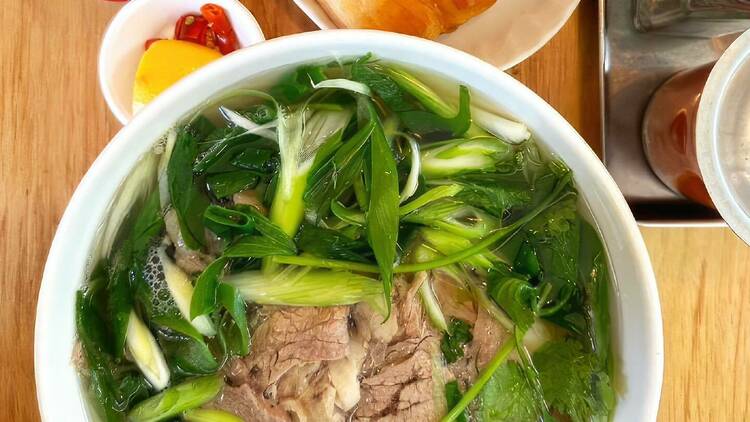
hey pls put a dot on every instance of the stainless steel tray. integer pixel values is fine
(633, 65)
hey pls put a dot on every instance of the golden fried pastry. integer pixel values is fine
(423, 18)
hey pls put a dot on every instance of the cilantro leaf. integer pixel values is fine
(594, 276)
(452, 345)
(555, 238)
(507, 397)
(496, 193)
(386, 88)
(573, 382)
(298, 84)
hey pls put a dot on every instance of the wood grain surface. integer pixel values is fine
(53, 123)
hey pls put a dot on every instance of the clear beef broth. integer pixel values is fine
(348, 244)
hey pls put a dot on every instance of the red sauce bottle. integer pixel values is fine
(669, 133)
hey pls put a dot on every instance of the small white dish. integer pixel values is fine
(141, 20)
(504, 35)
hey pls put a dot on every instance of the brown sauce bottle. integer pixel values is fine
(669, 133)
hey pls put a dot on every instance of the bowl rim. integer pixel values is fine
(251, 34)
(716, 176)
(58, 388)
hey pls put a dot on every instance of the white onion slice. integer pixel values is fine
(249, 125)
(500, 126)
(346, 84)
(412, 181)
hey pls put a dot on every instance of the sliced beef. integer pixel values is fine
(411, 321)
(246, 403)
(455, 299)
(307, 394)
(297, 380)
(488, 335)
(370, 324)
(403, 386)
(288, 366)
(237, 372)
(344, 375)
(401, 371)
(295, 336)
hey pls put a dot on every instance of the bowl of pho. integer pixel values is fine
(348, 225)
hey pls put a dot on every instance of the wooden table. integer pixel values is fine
(54, 123)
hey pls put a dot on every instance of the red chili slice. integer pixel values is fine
(193, 28)
(226, 39)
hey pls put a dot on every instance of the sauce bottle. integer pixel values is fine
(669, 133)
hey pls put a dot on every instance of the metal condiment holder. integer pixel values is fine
(634, 64)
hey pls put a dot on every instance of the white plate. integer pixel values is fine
(504, 35)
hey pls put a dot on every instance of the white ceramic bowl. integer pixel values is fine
(141, 20)
(637, 328)
(504, 35)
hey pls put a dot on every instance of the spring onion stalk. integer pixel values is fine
(181, 288)
(175, 400)
(146, 353)
(434, 194)
(299, 138)
(429, 98)
(499, 235)
(209, 415)
(333, 264)
(412, 181)
(500, 357)
(251, 127)
(540, 332)
(430, 301)
(449, 243)
(501, 127)
(134, 189)
(464, 155)
(455, 218)
(347, 215)
(163, 181)
(308, 287)
(360, 192)
(345, 84)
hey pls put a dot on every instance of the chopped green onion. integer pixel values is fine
(175, 400)
(209, 415)
(307, 287)
(346, 214)
(430, 302)
(146, 353)
(181, 289)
